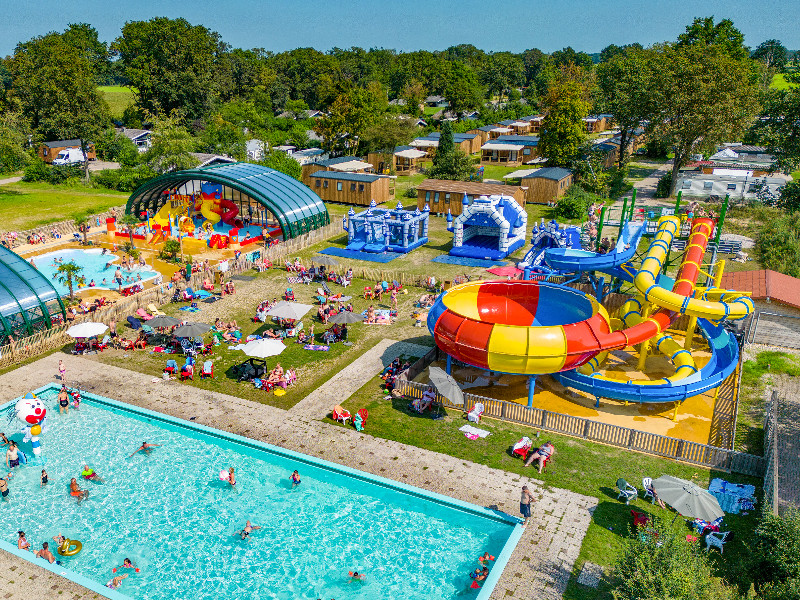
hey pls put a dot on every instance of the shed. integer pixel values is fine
(444, 195)
(546, 185)
(140, 137)
(352, 188)
(404, 160)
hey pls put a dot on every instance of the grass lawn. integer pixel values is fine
(581, 466)
(755, 377)
(779, 82)
(637, 173)
(429, 111)
(118, 98)
(27, 205)
(498, 171)
(313, 367)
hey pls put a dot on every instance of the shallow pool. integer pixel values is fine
(173, 517)
(94, 267)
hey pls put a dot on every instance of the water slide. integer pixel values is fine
(229, 213)
(207, 210)
(532, 328)
(570, 260)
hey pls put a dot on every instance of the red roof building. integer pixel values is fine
(765, 285)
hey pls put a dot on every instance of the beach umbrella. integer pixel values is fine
(86, 330)
(263, 348)
(688, 498)
(192, 330)
(446, 385)
(346, 317)
(325, 260)
(163, 321)
(289, 310)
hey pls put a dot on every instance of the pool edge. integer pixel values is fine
(493, 515)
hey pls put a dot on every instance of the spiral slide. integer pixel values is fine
(532, 328)
(207, 210)
(229, 213)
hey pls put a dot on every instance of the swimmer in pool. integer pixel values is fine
(104, 281)
(77, 492)
(146, 447)
(295, 479)
(231, 477)
(116, 582)
(44, 478)
(248, 529)
(356, 576)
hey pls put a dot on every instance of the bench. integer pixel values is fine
(730, 247)
(678, 245)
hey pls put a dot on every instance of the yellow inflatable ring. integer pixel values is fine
(69, 547)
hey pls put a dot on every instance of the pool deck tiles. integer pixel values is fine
(539, 568)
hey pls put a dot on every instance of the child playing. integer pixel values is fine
(62, 370)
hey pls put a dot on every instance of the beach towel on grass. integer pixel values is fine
(316, 347)
(202, 294)
(190, 309)
(211, 300)
(470, 431)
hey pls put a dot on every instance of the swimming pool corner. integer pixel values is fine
(501, 563)
(61, 571)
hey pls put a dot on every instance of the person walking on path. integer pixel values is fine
(525, 501)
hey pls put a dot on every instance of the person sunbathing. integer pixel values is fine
(272, 334)
(141, 341)
(207, 285)
(371, 315)
(302, 337)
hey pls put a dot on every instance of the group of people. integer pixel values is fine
(277, 377)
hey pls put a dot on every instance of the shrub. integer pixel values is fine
(778, 244)
(776, 556)
(40, 171)
(664, 185)
(411, 192)
(37, 170)
(170, 250)
(125, 179)
(575, 203)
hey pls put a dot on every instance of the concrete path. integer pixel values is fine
(646, 188)
(10, 180)
(346, 382)
(788, 442)
(540, 566)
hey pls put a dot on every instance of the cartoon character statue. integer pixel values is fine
(32, 412)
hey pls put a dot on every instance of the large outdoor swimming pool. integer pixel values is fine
(173, 517)
(94, 267)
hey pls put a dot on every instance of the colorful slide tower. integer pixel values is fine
(533, 328)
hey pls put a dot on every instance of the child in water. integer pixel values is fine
(295, 479)
(44, 478)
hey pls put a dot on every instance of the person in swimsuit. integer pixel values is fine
(22, 543)
(295, 479)
(525, 504)
(46, 554)
(116, 582)
(76, 492)
(541, 456)
(4, 440)
(231, 477)
(12, 455)
(62, 369)
(63, 400)
(89, 474)
(44, 478)
(146, 447)
(248, 529)
(356, 576)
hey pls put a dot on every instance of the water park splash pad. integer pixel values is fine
(180, 525)
(95, 267)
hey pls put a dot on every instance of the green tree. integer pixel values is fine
(724, 35)
(388, 132)
(568, 56)
(776, 553)
(351, 114)
(501, 72)
(280, 161)
(777, 130)
(778, 249)
(772, 53)
(307, 75)
(449, 162)
(563, 131)
(660, 565)
(624, 81)
(70, 274)
(170, 145)
(117, 147)
(789, 199)
(170, 64)
(131, 221)
(463, 90)
(84, 37)
(414, 94)
(13, 155)
(54, 82)
(223, 137)
(701, 96)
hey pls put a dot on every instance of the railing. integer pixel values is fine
(776, 330)
(605, 433)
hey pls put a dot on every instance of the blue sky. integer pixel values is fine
(412, 24)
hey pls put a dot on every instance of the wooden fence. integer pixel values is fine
(605, 433)
(283, 251)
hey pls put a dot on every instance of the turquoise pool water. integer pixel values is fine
(172, 516)
(94, 267)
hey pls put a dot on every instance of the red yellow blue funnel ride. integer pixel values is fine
(520, 327)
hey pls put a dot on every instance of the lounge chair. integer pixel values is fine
(340, 414)
(522, 447)
(142, 313)
(475, 414)
(208, 370)
(717, 539)
(154, 310)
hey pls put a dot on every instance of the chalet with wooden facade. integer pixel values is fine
(351, 188)
(442, 195)
(48, 151)
(510, 150)
(405, 160)
(342, 164)
(468, 143)
(546, 185)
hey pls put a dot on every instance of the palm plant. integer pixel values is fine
(82, 223)
(70, 274)
(131, 221)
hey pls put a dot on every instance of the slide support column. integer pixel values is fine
(531, 387)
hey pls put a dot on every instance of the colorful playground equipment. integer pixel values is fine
(491, 227)
(532, 327)
(385, 230)
(549, 235)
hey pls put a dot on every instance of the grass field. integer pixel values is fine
(118, 98)
(27, 205)
(580, 466)
(779, 82)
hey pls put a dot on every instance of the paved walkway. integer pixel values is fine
(646, 188)
(540, 566)
(10, 180)
(788, 442)
(346, 382)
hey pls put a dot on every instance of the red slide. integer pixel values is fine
(230, 211)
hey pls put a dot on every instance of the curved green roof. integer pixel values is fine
(297, 208)
(28, 300)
